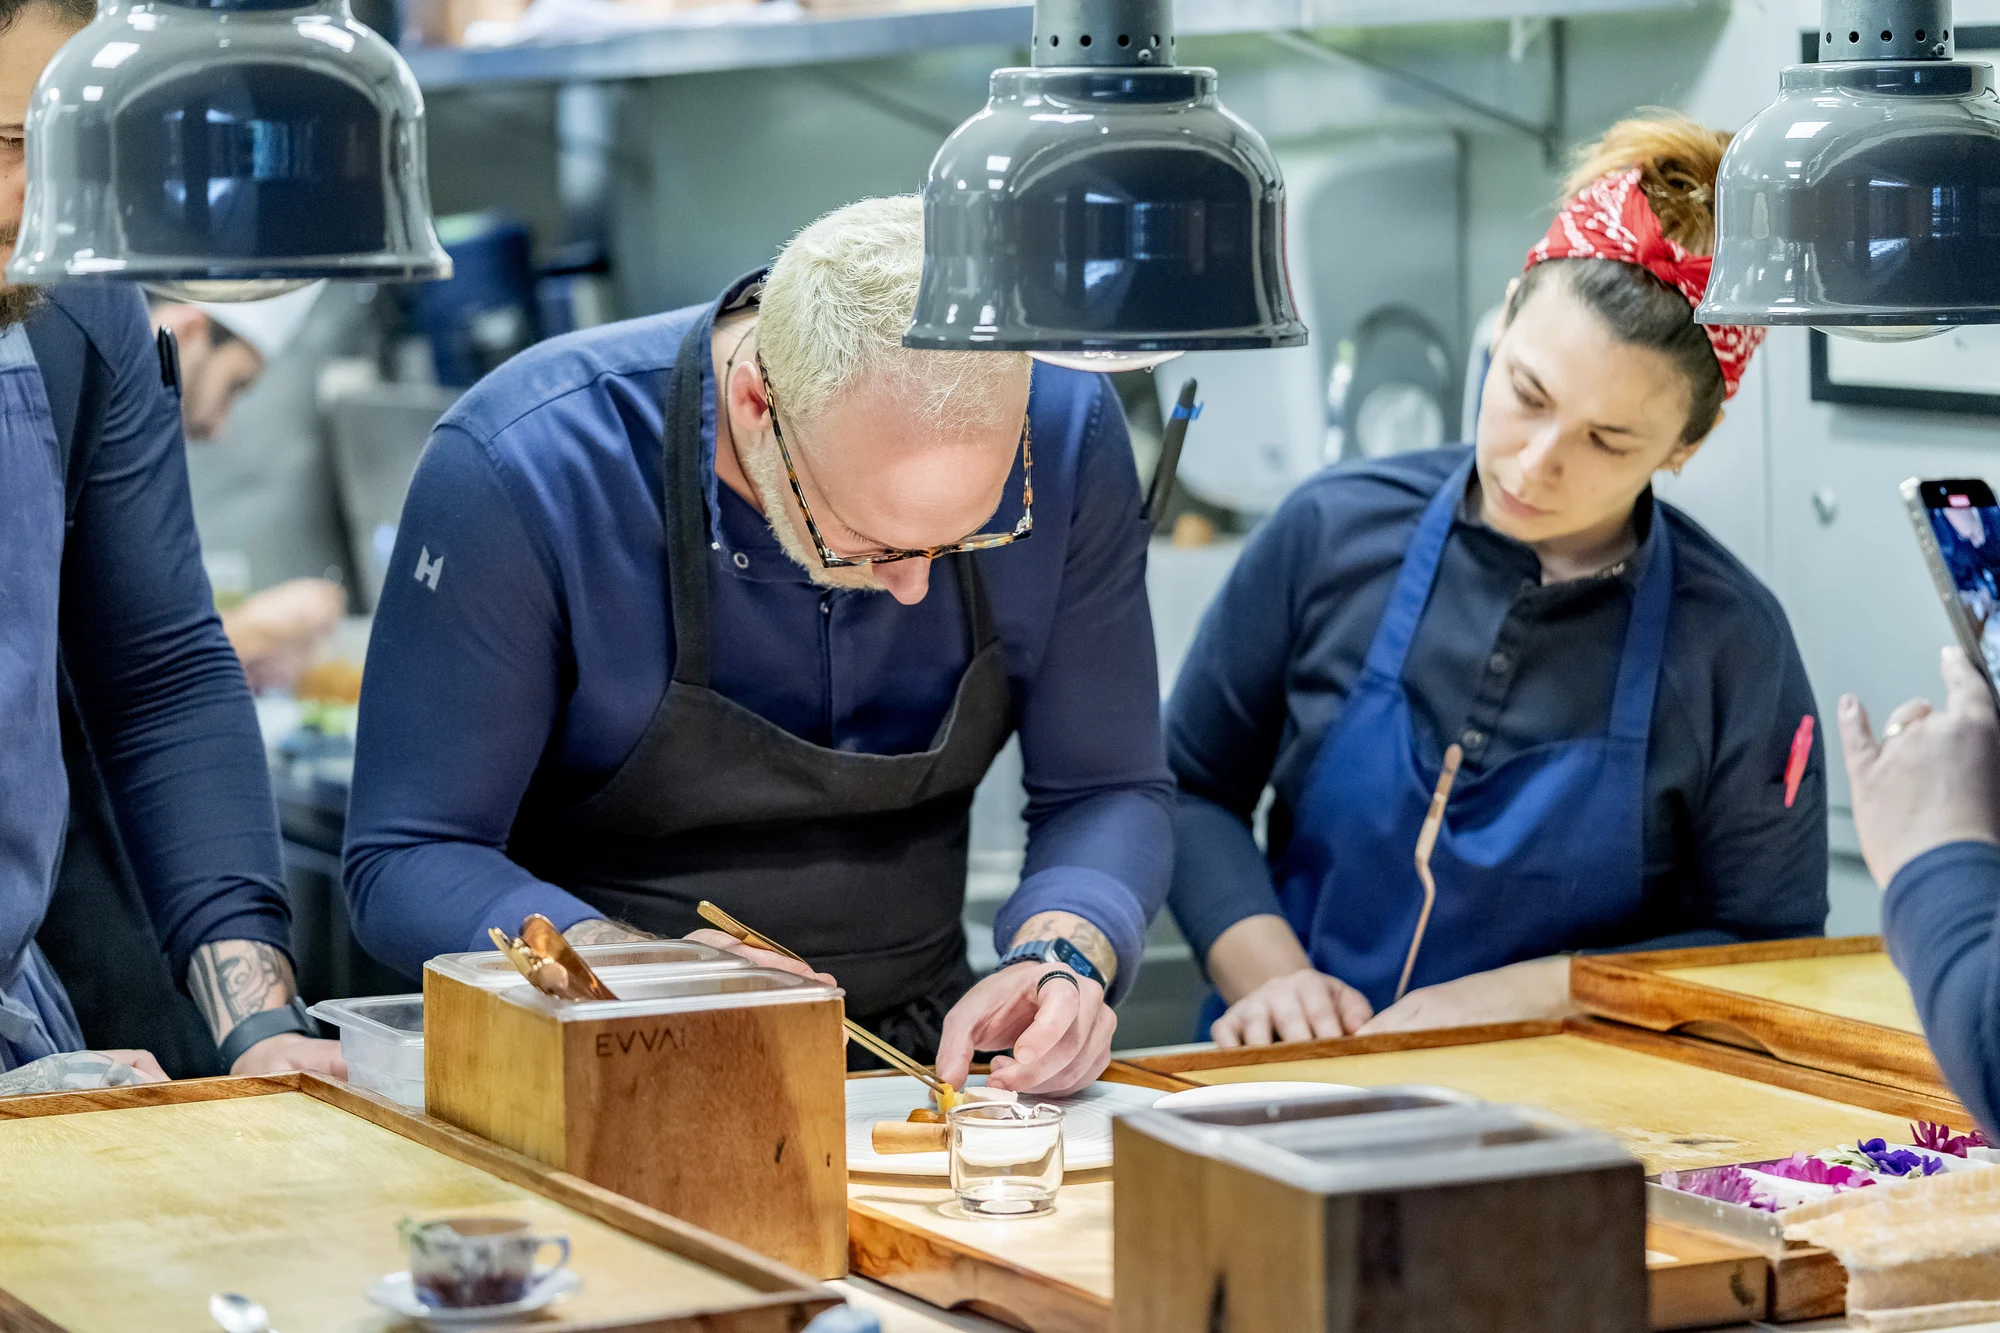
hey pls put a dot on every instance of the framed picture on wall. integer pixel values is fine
(1956, 371)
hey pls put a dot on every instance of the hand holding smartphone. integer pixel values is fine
(1957, 521)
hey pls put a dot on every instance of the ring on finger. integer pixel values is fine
(1070, 977)
(1893, 730)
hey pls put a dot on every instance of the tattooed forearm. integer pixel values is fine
(71, 1071)
(599, 931)
(233, 979)
(1069, 926)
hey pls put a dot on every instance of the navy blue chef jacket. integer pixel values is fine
(523, 642)
(1500, 663)
(146, 668)
(1939, 918)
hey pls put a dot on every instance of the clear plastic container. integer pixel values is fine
(689, 991)
(631, 960)
(382, 1040)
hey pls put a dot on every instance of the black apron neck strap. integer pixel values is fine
(685, 508)
(972, 593)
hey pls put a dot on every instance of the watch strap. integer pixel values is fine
(266, 1023)
(1056, 950)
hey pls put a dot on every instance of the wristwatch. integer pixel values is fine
(1054, 951)
(266, 1023)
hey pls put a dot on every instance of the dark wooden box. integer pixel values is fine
(1440, 1219)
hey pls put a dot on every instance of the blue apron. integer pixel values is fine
(35, 1015)
(1539, 854)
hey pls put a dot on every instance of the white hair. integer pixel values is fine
(834, 310)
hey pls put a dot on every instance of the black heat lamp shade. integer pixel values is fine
(226, 152)
(1866, 198)
(1104, 210)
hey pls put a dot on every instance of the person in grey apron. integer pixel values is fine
(808, 754)
(109, 641)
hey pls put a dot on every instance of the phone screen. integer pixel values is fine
(1965, 520)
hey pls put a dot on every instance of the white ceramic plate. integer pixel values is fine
(1229, 1094)
(398, 1295)
(1086, 1123)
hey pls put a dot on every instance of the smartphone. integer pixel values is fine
(1958, 529)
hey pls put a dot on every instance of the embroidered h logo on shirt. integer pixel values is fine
(429, 570)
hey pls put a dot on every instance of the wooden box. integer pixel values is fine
(1832, 1004)
(718, 1096)
(128, 1207)
(1315, 1217)
(1672, 1101)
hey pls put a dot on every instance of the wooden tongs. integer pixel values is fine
(729, 925)
(1427, 837)
(544, 957)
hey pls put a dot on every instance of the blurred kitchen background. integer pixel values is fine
(597, 159)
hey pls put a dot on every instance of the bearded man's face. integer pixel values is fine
(26, 47)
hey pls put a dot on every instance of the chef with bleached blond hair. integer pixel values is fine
(739, 602)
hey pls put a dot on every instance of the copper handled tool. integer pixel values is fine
(541, 935)
(1426, 844)
(729, 925)
(545, 958)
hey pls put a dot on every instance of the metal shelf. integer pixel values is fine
(752, 44)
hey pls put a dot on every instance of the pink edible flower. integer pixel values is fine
(1939, 1138)
(1815, 1172)
(1725, 1184)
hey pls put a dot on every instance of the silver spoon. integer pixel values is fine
(238, 1313)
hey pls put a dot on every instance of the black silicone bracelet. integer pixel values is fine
(267, 1023)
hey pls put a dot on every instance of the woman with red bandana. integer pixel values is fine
(1605, 706)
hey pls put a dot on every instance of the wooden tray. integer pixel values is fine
(1832, 1004)
(126, 1208)
(1675, 1102)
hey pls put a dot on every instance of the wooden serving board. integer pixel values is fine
(1832, 1004)
(1674, 1102)
(127, 1208)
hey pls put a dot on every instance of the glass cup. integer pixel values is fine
(460, 1262)
(1006, 1158)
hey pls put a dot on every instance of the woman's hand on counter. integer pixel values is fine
(290, 1051)
(1931, 778)
(1273, 990)
(1300, 1006)
(78, 1071)
(1059, 1032)
(1512, 994)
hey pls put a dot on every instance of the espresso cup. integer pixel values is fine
(462, 1262)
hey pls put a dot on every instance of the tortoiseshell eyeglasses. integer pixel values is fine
(982, 542)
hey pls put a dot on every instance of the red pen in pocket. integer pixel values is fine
(1795, 767)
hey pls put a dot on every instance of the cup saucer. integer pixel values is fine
(398, 1295)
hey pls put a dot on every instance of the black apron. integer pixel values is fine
(856, 861)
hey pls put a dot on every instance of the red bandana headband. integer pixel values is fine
(1611, 218)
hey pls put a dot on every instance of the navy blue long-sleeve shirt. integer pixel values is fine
(160, 691)
(1938, 918)
(526, 672)
(1500, 663)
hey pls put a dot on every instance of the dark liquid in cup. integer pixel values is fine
(463, 1293)
(482, 1285)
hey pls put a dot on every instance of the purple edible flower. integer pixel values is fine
(1725, 1184)
(1898, 1161)
(1939, 1138)
(1813, 1171)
